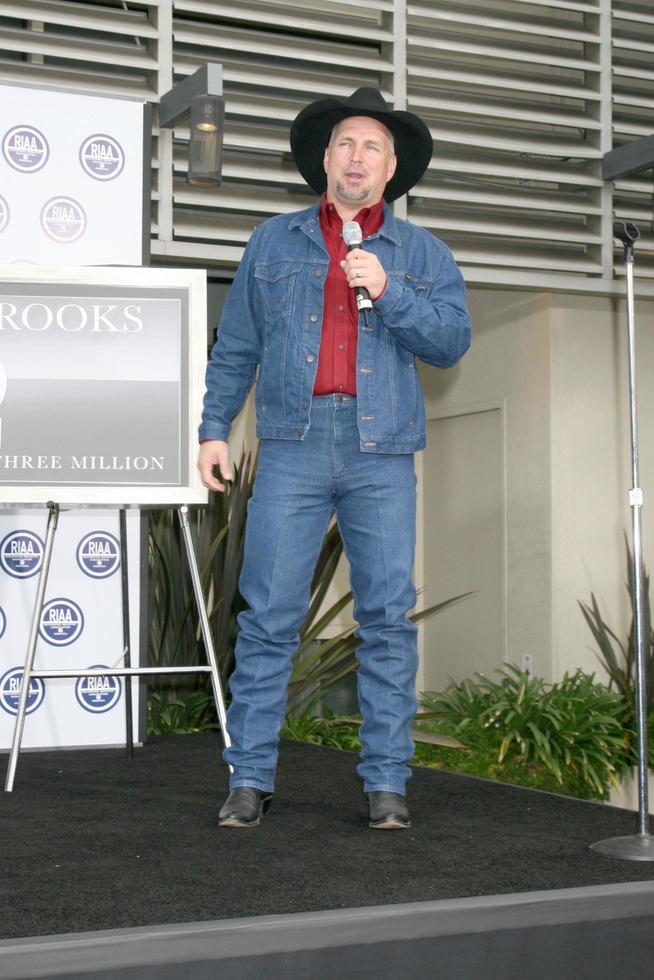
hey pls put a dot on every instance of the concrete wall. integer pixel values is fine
(591, 465)
(554, 368)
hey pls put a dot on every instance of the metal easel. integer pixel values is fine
(127, 670)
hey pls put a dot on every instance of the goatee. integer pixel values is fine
(352, 193)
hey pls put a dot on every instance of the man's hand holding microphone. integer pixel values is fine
(363, 270)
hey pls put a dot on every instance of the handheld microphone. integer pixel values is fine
(627, 232)
(353, 237)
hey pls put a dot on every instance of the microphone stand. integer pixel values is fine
(640, 846)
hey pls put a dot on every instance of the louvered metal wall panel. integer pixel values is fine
(511, 93)
(103, 47)
(633, 117)
(516, 93)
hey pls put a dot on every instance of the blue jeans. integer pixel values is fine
(299, 485)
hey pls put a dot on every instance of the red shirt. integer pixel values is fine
(338, 342)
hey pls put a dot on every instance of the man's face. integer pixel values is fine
(359, 162)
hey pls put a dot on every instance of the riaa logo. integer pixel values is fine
(10, 688)
(61, 622)
(101, 157)
(98, 693)
(4, 214)
(25, 148)
(21, 554)
(63, 219)
(98, 554)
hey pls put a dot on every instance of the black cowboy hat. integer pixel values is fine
(312, 128)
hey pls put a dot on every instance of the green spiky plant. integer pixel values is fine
(618, 657)
(184, 702)
(317, 664)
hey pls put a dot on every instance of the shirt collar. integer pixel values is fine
(369, 219)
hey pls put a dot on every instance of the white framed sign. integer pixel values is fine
(101, 383)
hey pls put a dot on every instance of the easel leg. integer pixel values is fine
(31, 647)
(204, 623)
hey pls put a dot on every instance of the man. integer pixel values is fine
(339, 413)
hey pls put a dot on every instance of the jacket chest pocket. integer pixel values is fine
(276, 283)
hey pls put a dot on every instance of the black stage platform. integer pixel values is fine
(112, 868)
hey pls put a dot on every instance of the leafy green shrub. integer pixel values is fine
(191, 713)
(339, 733)
(575, 730)
(481, 760)
(575, 737)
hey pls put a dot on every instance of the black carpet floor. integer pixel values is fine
(92, 840)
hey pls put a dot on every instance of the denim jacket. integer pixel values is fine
(271, 324)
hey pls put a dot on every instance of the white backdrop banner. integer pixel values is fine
(71, 178)
(80, 626)
(73, 192)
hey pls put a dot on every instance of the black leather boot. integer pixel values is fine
(244, 807)
(388, 811)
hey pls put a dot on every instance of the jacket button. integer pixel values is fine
(317, 272)
(310, 358)
(313, 317)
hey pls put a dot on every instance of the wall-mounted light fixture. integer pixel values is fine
(629, 159)
(202, 94)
